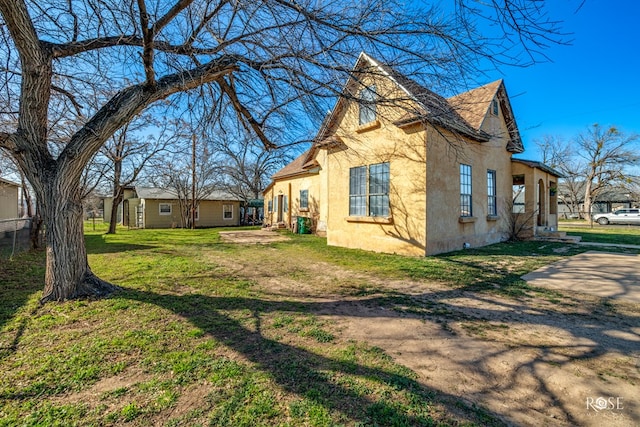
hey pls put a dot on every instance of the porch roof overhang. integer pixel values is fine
(539, 165)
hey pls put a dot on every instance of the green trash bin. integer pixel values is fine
(304, 225)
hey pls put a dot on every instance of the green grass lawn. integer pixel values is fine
(191, 339)
(629, 235)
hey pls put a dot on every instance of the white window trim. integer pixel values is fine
(306, 205)
(223, 212)
(367, 105)
(165, 204)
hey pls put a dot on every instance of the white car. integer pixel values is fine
(621, 216)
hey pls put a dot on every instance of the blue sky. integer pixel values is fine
(594, 80)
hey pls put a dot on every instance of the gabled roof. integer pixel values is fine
(463, 114)
(163, 194)
(7, 182)
(437, 110)
(432, 107)
(538, 165)
(474, 106)
(300, 165)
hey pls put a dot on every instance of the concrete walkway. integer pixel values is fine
(609, 245)
(608, 275)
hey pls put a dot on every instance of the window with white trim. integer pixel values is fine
(304, 199)
(164, 208)
(379, 189)
(358, 191)
(465, 191)
(367, 105)
(369, 190)
(227, 211)
(492, 202)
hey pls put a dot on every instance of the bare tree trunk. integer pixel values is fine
(36, 220)
(115, 202)
(588, 198)
(67, 271)
(34, 233)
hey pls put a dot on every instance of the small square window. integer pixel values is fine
(227, 211)
(164, 208)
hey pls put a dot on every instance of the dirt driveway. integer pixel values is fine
(563, 359)
(604, 274)
(252, 236)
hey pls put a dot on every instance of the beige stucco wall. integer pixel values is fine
(8, 201)
(424, 165)
(541, 207)
(425, 184)
(446, 230)
(290, 188)
(404, 231)
(210, 214)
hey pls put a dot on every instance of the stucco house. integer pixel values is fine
(8, 199)
(397, 168)
(148, 207)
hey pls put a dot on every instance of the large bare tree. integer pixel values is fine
(607, 153)
(58, 57)
(128, 152)
(598, 160)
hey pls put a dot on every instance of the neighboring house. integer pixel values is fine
(145, 207)
(419, 175)
(8, 199)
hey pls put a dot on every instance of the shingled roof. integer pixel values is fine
(474, 105)
(164, 194)
(302, 164)
(462, 114)
(434, 108)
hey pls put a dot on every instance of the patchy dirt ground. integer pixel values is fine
(262, 236)
(571, 359)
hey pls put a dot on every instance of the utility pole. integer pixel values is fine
(193, 181)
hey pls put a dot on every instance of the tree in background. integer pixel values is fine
(561, 156)
(598, 160)
(191, 173)
(263, 59)
(127, 153)
(607, 153)
(246, 167)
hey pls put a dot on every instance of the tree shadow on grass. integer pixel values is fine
(20, 278)
(95, 244)
(304, 373)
